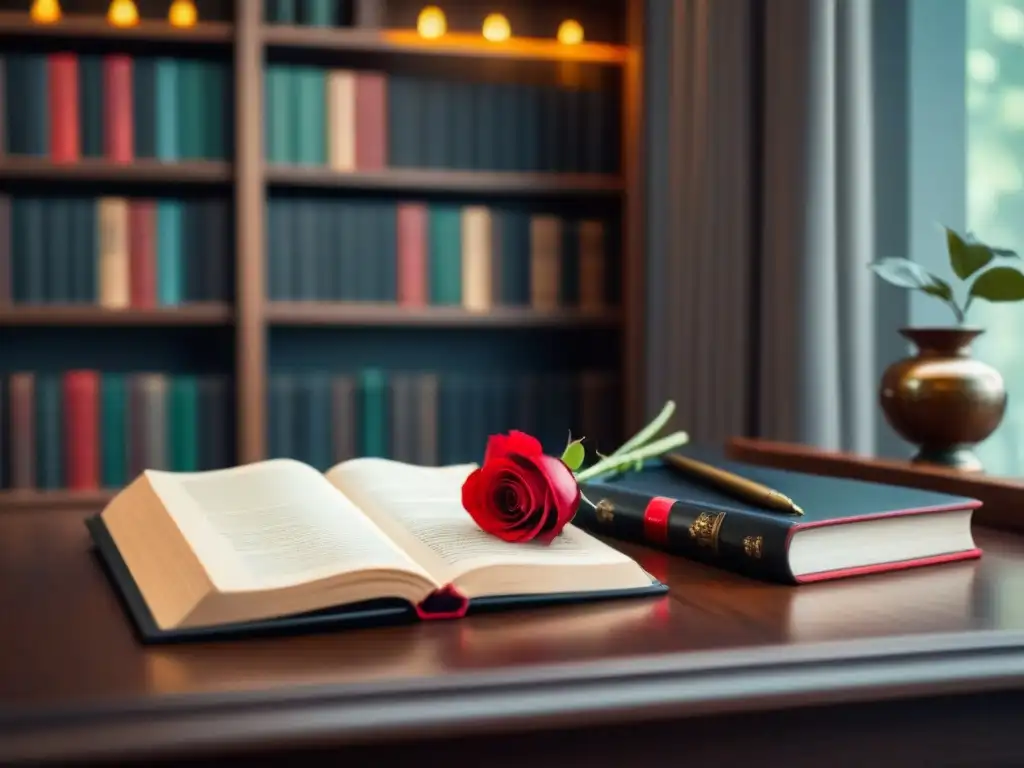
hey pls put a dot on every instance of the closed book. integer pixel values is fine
(849, 527)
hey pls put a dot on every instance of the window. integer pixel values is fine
(995, 198)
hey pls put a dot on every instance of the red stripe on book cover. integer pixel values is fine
(412, 254)
(656, 518)
(445, 603)
(81, 424)
(118, 143)
(63, 77)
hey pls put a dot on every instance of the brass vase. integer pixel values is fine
(942, 400)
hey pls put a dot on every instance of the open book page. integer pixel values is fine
(421, 508)
(274, 524)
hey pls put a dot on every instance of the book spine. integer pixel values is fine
(343, 418)
(144, 104)
(114, 432)
(476, 258)
(341, 120)
(58, 251)
(371, 121)
(168, 148)
(115, 281)
(6, 271)
(49, 433)
(22, 396)
(753, 545)
(142, 256)
(90, 89)
(169, 267)
(3, 106)
(64, 108)
(545, 261)
(374, 414)
(214, 427)
(82, 428)
(117, 108)
(183, 424)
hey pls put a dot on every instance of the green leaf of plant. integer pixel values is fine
(574, 454)
(903, 273)
(999, 284)
(939, 288)
(966, 254)
(1004, 253)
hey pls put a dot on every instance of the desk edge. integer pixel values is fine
(522, 699)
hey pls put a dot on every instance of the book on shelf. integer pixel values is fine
(476, 257)
(849, 527)
(86, 430)
(323, 419)
(116, 106)
(351, 120)
(115, 252)
(278, 546)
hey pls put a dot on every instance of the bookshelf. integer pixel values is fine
(252, 317)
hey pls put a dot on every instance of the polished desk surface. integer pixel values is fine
(75, 681)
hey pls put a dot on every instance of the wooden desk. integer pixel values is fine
(723, 669)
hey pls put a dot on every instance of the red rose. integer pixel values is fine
(519, 494)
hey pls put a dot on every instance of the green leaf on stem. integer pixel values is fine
(999, 284)
(574, 454)
(940, 288)
(904, 273)
(966, 254)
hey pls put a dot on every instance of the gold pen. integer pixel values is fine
(740, 487)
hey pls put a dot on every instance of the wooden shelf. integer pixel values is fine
(354, 314)
(408, 41)
(68, 314)
(430, 180)
(14, 23)
(89, 169)
(11, 501)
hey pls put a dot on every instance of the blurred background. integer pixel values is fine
(331, 228)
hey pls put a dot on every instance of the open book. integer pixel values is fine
(278, 542)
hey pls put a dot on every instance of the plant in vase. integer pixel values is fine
(941, 399)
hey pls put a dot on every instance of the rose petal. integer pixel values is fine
(523, 444)
(475, 501)
(563, 493)
(497, 448)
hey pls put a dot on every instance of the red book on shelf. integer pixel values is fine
(412, 254)
(81, 425)
(64, 109)
(371, 121)
(118, 144)
(142, 253)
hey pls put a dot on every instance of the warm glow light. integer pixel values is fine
(45, 11)
(122, 13)
(431, 23)
(182, 13)
(496, 28)
(570, 32)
